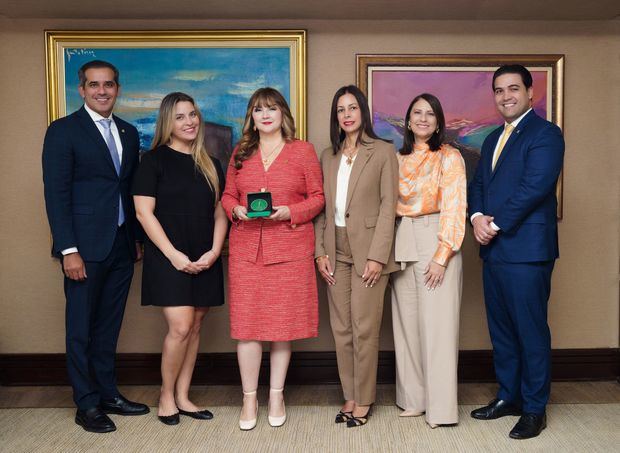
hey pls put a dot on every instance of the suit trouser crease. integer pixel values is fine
(94, 314)
(426, 331)
(516, 299)
(355, 318)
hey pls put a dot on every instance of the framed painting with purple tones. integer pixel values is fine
(463, 84)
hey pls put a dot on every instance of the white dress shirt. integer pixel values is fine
(119, 146)
(342, 188)
(513, 124)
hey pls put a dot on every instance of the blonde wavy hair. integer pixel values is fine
(163, 135)
(263, 97)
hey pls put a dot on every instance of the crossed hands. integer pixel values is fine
(483, 231)
(182, 263)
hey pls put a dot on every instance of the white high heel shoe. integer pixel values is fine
(247, 425)
(277, 421)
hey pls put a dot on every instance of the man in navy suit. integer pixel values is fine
(89, 159)
(513, 205)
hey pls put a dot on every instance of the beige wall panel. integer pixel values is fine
(584, 309)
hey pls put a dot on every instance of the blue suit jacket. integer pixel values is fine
(520, 192)
(82, 188)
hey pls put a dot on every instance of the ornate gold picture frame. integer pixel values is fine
(220, 69)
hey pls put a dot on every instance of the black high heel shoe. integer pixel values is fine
(343, 417)
(354, 422)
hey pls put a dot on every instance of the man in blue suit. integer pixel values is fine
(513, 204)
(89, 159)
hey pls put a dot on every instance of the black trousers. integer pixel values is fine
(94, 314)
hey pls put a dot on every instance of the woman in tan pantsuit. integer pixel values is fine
(354, 245)
(426, 292)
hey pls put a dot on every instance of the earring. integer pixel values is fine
(254, 128)
(437, 131)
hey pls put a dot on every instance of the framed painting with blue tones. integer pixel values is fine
(219, 69)
(463, 84)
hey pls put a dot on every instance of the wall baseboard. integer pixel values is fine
(305, 368)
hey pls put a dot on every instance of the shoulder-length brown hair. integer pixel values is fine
(163, 135)
(438, 137)
(263, 97)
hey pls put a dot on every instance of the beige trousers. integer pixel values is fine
(355, 313)
(426, 330)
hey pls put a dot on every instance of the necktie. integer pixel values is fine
(502, 142)
(109, 140)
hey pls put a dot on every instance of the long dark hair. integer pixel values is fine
(439, 135)
(337, 135)
(264, 97)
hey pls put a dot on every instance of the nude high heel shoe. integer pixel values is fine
(247, 425)
(277, 421)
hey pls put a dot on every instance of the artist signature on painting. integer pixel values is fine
(71, 52)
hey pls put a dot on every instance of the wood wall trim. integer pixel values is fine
(305, 368)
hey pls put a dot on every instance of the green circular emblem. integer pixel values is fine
(259, 204)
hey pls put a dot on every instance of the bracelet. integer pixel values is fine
(320, 257)
(233, 214)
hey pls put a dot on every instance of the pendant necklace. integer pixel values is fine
(267, 160)
(350, 155)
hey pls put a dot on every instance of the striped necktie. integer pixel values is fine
(109, 140)
(502, 142)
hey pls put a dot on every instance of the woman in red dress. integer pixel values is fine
(271, 280)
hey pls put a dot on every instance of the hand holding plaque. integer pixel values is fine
(259, 204)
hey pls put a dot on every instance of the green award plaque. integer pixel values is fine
(259, 204)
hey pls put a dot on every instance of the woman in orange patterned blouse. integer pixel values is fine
(426, 292)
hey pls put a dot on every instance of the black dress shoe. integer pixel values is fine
(122, 406)
(169, 419)
(94, 420)
(496, 409)
(198, 415)
(528, 426)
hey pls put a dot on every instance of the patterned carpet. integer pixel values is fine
(571, 428)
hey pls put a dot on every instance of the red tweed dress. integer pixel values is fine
(272, 289)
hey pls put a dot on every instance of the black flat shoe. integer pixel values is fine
(354, 422)
(94, 420)
(528, 426)
(198, 415)
(343, 417)
(169, 419)
(122, 406)
(496, 409)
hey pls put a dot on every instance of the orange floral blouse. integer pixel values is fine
(435, 182)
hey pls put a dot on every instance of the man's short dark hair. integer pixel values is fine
(526, 76)
(96, 64)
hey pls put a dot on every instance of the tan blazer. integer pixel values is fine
(370, 208)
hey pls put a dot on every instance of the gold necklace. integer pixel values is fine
(350, 155)
(266, 160)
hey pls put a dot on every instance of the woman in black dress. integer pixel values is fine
(177, 192)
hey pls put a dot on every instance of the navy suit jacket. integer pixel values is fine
(82, 188)
(520, 192)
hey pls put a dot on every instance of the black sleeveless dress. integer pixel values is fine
(185, 209)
